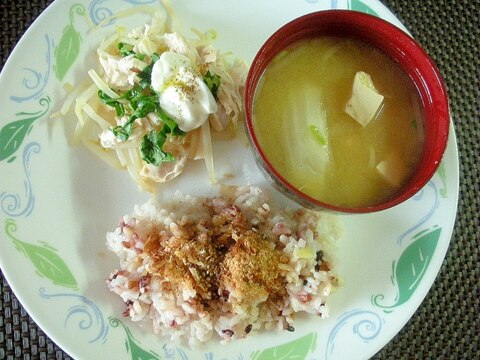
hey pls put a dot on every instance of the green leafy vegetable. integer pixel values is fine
(119, 108)
(151, 149)
(142, 105)
(141, 102)
(213, 82)
(127, 49)
(146, 74)
(137, 103)
(142, 99)
(171, 125)
(124, 132)
(318, 135)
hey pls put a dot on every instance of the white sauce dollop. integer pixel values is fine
(182, 93)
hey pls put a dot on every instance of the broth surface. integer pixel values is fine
(314, 144)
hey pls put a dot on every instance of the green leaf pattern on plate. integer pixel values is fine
(358, 5)
(14, 133)
(44, 258)
(408, 272)
(443, 177)
(69, 47)
(295, 350)
(135, 350)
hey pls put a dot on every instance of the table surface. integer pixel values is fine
(447, 324)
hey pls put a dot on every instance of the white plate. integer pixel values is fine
(58, 202)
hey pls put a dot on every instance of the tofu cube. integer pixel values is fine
(393, 169)
(365, 102)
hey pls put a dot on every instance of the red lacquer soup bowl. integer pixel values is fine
(393, 42)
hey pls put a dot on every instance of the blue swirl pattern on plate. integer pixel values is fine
(90, 315)
(35, 80)
(99, 13)
(367, 325)
(417, 197)
(12, 204)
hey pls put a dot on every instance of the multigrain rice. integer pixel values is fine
(231, 265)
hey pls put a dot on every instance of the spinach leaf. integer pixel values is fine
(151, 149)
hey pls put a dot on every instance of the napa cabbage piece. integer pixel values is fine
(308, 119)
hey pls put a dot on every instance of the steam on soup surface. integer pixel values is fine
(309, 116)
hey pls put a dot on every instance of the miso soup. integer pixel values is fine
(302, 117)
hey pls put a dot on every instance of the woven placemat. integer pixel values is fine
(447, 324)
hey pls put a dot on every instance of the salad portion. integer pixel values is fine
(154, 99)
